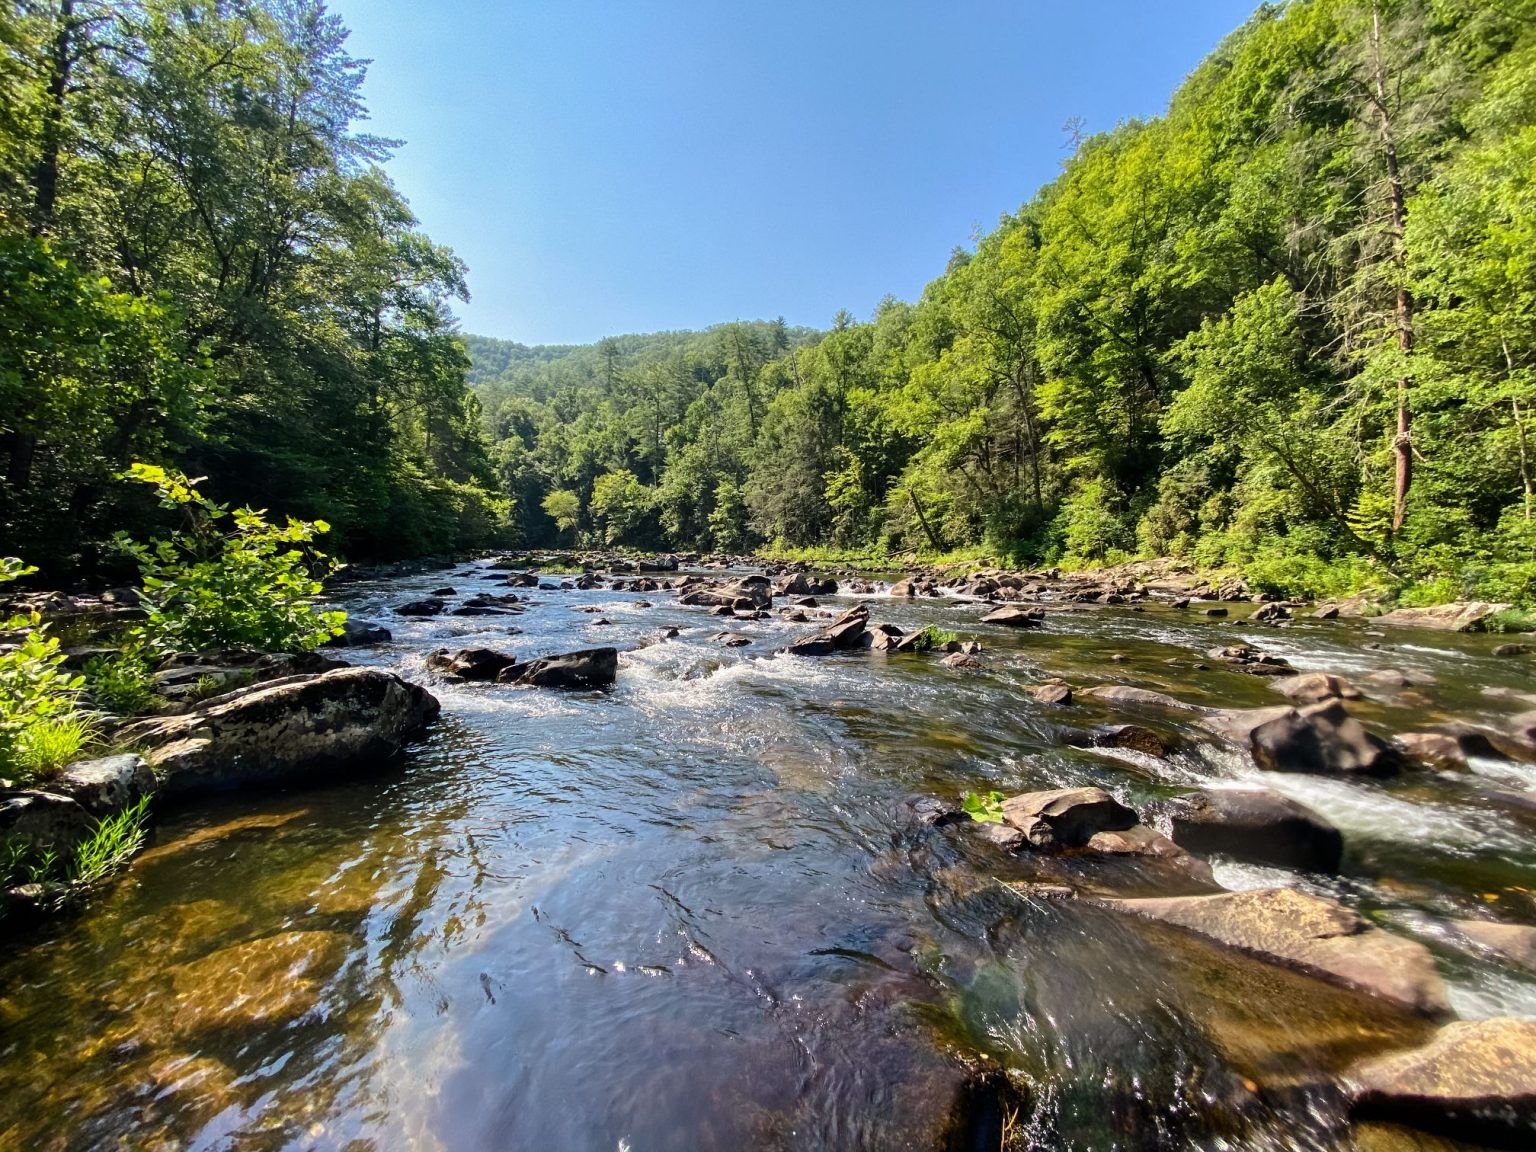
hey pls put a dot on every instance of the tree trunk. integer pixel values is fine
(1525, 458)
(1402, 441)
(45, 173)
(933, 537)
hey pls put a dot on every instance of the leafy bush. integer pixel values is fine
(41, 728)
(936, 637)
(984, 807)
(122, 684)
(231, 579)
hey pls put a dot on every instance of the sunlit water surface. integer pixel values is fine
(697, 912)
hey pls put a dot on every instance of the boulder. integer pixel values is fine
(1271, 613)
(360, 634)
(1432, 749)
(1066, 816)
(1320, 738)
(1016, 617)
(589, 668)
(286, 729)
(1514, 942)
(473, 663)
(1315, 686)
(106, 785)
(426, 606)
(843, 634)
(1309, 934)
(1459, 617)
(904, 589)
(1474, 1081)
(44, 821)
(1050, 694)
(962, 660)
(1255, 824)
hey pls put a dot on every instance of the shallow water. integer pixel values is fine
(696, 912)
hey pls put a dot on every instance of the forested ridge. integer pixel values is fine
(203, 263)
(1289, 326)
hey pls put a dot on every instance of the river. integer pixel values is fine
(697, 911)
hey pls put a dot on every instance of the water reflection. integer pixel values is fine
(697, 912)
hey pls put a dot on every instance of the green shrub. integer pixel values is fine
(41, 728)
(122, 684)
(935, 637)
(112, 845)
(230, 579)
(984, 807)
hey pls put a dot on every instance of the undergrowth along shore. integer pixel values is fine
(1298, 578)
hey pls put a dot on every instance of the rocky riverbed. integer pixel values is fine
(682, 864)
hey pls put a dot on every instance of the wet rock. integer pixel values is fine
(1432, 749)
(1258, 825)
(291, 728)
(1066, 816)
(1133, 737)
(1271, 613)
(1319, 738)
(1016, 617)
(1514, 942)
(843, 634)
(445, 591)
(523, 580)
(936, 812)
(1004, 836)
(473, 663)
(1215, 613)
(1124, 694)
(105, 785)
(1512, 650)
(731, 639)
(904, 589)
(263, 983)
(1326, 612)
(1310, 934)
(589, 668)
(44, 821)
(427, 606)
(1315, 686)
(1139, 840)
(1050, 694)
(360, 634)
(962, 660)
(1246, 658)
(1459, 617)
(1475, 1080)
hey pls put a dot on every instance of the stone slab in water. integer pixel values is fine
(1461, 617)
(1476, 1080)
(1066, 816)
(1258, 825)
(1310, 934)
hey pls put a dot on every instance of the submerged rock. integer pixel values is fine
(1246, 658)
(1310, 934)
(588, 668)
(1475, 1080)
(263, 983)
(285, 729)
(1139, 840)
(1137, 697)
(1255, 824)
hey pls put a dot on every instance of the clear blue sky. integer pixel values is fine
(636, 165)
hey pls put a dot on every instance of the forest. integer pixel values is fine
(1288, 327)
(204, 264)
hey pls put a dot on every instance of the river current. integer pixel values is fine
(699, 911)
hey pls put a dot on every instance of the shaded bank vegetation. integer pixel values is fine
(203, 263)
(1289, 326)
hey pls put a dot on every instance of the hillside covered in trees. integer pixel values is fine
(202, 262)
(1290, 326)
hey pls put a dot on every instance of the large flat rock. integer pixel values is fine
(284, 730)
(1476, 1080)
(1310, 934)
(1459, 617)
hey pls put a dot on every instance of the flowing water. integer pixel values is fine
(699, 911)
